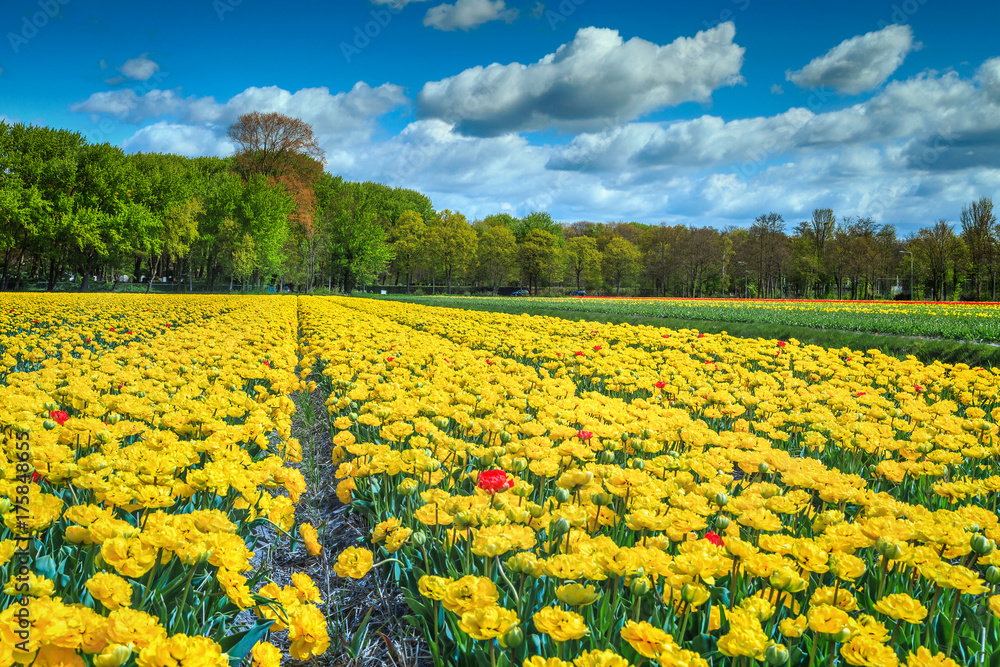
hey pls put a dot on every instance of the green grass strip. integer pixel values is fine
(926, 350)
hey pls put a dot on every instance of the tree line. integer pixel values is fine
(270, 216)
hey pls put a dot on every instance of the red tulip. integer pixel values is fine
(494, 481)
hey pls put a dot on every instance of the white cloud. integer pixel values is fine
(858, 64)
(130, 106)
(938, 122)
(395, 4)
(468, 14)
(989, 78)
(189, 140)
(139, 69)
(776, 89)
(339, 113)
(596, 80)
(327, 113)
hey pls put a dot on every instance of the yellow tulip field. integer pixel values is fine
(545, 493)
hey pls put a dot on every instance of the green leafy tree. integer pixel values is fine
(497, 249)
(582, 258)
(452, 244)
(408, 243)
(356, 243)
(534, 256)
(620, 262)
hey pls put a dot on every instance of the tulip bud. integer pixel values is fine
(721, 523)
(992, 575)
(558, 527)
(776, 654)
(504, 437)
(841, 636)
(561, 494)
(606, 457)
(419, 538)
(721, 499)
(513, 637)
(637, 464)
(763, 468)
(640, 586)
(407, 487)
(535, 510)
(601, 498)
(688, 593)
(114, 655)
(49, 424)
(518, 465)
(982, 545)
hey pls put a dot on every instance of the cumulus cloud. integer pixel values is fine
(594, 81)
(130, 105)
(858, 64)
(328, 113)
(941, 121)
(989, 78)
(468, 14)
(395, 4)
(139, 69)
(180, 139)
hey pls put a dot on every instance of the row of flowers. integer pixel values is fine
(552, 492)
(952, 320)
(158, 436)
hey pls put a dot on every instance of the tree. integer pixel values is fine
(981, 238)
(408, 243)
(534, 256)
(935, 251)
(621, 259)
(452, 243)
(356, 244)
(539, 220)
(581, 257)
(180, 231)
(768, 252)
(268, 144)
(496, 251)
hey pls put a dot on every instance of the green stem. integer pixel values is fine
(954, 618)
(187, 590)
(930, 615)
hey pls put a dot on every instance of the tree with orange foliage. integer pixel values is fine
(285, 151)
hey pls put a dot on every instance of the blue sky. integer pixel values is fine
(703, 113)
